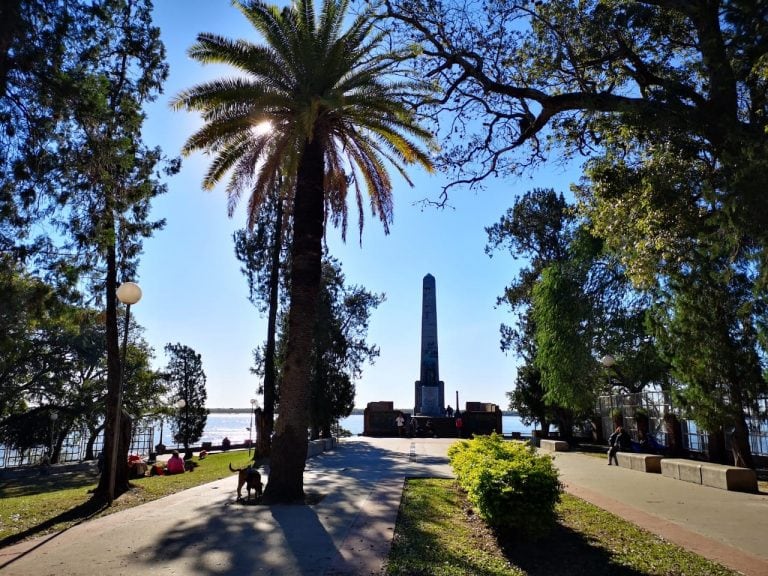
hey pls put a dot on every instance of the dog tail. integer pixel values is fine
(233, 469)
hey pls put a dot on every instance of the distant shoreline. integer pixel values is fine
(355, 411)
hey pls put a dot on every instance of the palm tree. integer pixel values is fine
(336, 117)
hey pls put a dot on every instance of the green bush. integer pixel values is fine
(512, 487)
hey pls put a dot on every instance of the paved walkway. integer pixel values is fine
(202, 531)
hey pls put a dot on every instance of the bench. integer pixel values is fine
(640, 462)
(320, 445)
(553, 445)
(710, 474)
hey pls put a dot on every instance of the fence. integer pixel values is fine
(656, 404)
(74, 448)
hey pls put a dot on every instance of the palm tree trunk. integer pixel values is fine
(289, 447)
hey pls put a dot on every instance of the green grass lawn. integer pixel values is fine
(438, 534)
(37, 505)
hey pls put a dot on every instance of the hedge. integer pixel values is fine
(512, 487)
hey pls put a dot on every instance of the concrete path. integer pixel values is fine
(730, 528)
(203, 531)
(357, 487)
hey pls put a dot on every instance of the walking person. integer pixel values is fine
(618, 441)
(400, 421)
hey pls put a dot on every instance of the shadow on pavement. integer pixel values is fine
(76, 515)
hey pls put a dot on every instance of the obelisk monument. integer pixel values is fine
(430, 397)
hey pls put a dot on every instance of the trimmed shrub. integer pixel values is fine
(513, 488)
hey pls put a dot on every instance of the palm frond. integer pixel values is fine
(315, 77)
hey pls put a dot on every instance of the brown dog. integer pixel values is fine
(251, 478)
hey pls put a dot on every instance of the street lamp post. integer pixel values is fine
(54, 416)
(181, 403)
(610, 363)
(250, 428)
(128, 293)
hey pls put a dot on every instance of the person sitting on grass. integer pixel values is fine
(175, 464)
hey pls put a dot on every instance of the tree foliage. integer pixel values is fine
(263, 251)
(572, 305)
(53, 360)
(340, 348)
(670, 102)
(518, 79)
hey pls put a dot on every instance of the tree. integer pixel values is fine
(669, 98)
(538, 227)
(186, 382)
(573, 303)
(53, 360)
(110, 209)
(36, 45)
(336, 118)
(75, 77)
(263, 252)
(340, 348)
(704, 271)
(710, 337)
(570, 75)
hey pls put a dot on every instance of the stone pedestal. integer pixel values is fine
(379, 419)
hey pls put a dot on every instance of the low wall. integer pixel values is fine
(640, 462)
(321, 445)
(709, 474)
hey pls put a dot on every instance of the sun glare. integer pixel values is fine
(262, 128)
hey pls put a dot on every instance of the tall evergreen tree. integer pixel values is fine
(263, 252)
(186, 381)
(340, 348)
(75, 76)
(336, 118)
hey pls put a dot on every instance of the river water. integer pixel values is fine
(236, 427)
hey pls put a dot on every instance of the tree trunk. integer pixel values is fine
(597, 429)
(113, 383)
(10, 25)
(674, 435)
(265, 439)
(93, 434)
(289, 447)
(740, 448)
(716, 446)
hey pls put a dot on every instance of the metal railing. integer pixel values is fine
(656, 404)
(74, 448)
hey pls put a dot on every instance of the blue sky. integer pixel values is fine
(195, 294)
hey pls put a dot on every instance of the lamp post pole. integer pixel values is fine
(250, 428)
(128, 293)
(181, 403)
(54, 416)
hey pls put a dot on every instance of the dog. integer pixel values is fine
(250, 477)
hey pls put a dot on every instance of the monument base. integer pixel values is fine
(478, 418)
